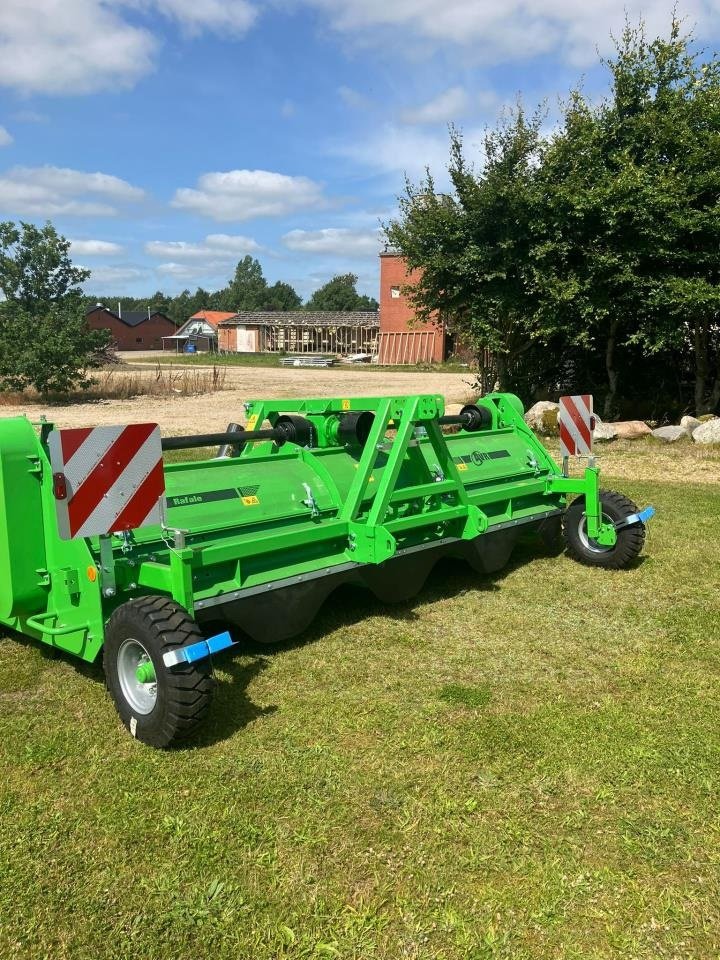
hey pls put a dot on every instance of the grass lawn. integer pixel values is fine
(524, 766)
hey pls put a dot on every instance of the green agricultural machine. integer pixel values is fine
(109, 549)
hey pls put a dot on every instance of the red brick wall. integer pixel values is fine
(396, 317)
(149, 332)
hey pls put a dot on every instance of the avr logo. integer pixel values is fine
(480, 456)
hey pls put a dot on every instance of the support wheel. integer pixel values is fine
(630, 540)
(157, 705)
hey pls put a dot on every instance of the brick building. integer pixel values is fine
(131, 329)
(402, 341)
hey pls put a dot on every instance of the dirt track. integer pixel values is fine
(681, 462)
(212, 411)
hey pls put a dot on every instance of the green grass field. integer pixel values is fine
(523, 766)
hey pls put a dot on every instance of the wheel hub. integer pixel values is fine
(592, 545)
(137, 676)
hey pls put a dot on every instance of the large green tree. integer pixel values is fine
(678, 90)
(340, 293)
(45, 340)
(248, 287)
(630, 225)
(35, 266)
(472, 248)
(282, 296)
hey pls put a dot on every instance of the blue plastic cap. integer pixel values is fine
(646, 514)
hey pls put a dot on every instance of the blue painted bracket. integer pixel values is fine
(198, 651)
(642, 516)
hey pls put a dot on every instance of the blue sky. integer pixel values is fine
(168, 138)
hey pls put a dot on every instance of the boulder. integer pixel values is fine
(631, 429)
(542, 417)
(604, 431)
(690, 424)
(708, 432)
(707, 416)
(669, 434)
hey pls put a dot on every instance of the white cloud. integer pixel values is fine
(80, 46)
(245, 194)
(176, 270)
(450, 105)
(61, 47)
(216, 247)
(393, 149)
(95, 248)
(114, 278)
(217, 271)
(210, 260)
(333, 241)
(514, 30)
(352, 98)
(233, 16)
(53, 191)
(5, 138)
(70, 46)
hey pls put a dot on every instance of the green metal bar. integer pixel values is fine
(356, 493)
(181, 576)
(429, 518)
(155, 576)
(36, 622)
(239, 548)
(445, 460)
(559, 484)
(423, 490)
(394, 464)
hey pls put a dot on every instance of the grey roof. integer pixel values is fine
(306, 318)
(133, 318)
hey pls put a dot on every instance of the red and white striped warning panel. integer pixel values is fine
(107, 479)
(576, 424)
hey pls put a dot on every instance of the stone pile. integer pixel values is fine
(542, 417)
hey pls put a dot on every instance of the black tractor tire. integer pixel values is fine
(171, 709)
(630, 539)
(549, 532)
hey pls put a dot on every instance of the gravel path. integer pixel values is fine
(212, 411)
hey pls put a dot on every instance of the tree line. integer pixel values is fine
(588, 257)
(45, 342)
(248, 290)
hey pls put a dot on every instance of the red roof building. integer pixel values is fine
(200, 330)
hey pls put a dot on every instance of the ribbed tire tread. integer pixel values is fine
(184, 693)
(630, 540)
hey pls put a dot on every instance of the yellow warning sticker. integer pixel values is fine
(251, 421)
(250, 501)
(462, 466)
(345, 404)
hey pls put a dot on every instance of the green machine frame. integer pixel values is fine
(333, 489)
